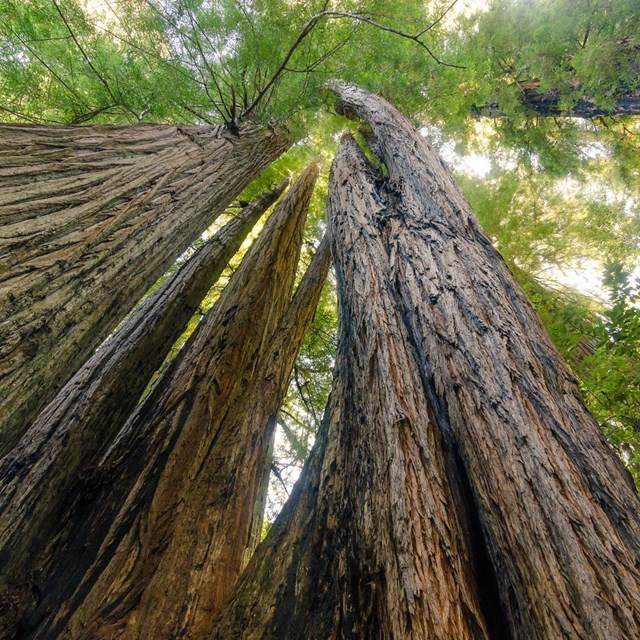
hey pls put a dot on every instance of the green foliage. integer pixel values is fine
(541, 224)
(610, 376)
(566, 48)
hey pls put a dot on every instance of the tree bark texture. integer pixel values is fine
(165, 540)
(47, 477)
(548, 104)
(550, 515)
(90, 218)
(375, 544)
(559, 513)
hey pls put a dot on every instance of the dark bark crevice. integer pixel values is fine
(168, 535)
(493, 608)
(52, 474)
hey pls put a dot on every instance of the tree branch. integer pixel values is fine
(310, 25)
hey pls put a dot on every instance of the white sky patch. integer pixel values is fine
(289, 471)
(102, 12)
(586, 278)
(474, 164)
(465, 8)
(593, 150)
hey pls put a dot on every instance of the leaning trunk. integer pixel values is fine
(535, 525)
(550, 103)
(47, 478)
(559, 514)
(373, 543)
(90, 218)
(154, 555)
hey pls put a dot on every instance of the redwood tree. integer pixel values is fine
(496, 509)
(167, 537)
(46, 480)
(90, 218)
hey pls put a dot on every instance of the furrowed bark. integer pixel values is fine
(47, 477)
(560, 517)
(142, 563)
(271, 384)
(214, 534)
(372, 543)
(90, 218)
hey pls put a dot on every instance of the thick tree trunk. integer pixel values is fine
(560, 516)
(90, 218)
(540, 514)
(165, 540)
(375, 543)
(46, 478)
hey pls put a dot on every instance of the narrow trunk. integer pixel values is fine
(47, 477)
(559, 514)
(90, 218)
(260, 505)
(373, 542)
(141, 564)
(507, 455)
(549, 104)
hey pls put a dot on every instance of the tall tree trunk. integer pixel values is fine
(47, 477)
(549, 516)
(144, 559)
(374, 542)
(559, 513)
(90, 218)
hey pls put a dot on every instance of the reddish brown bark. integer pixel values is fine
(372, 544)
(46, 478)
(90, 218)
(166, 539)
(559, 514)
(451, 414)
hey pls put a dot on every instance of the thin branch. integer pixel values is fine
(299, 448)
(195, 113)
(276, 473)
(85, 117)
(195, 25)
(43, 63)
(47, 39)
(27, 118)
(306, 30)
(307, 403)
(438, 19)
(324, 56)
(83, 52)
(310, 25)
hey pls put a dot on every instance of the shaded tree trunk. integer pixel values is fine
(90, 218)
(543, 523)
(548, 104)
(166, 539)
(47, 477)
(373, 544)
(559, 513)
